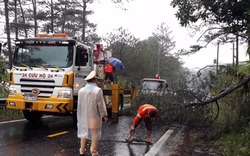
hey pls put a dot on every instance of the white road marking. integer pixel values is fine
(11, 121)
(20, 120)
(157, 146)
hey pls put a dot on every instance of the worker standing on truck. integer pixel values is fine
(146, 112)
(90, 111)
(109, 70)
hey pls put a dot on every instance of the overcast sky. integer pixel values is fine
(143, 17)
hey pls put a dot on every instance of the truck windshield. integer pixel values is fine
(59, 56)
(152, 85)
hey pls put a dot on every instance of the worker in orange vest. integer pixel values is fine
(109, 70)
(146, 112)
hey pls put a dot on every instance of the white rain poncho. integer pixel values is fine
(90, 111)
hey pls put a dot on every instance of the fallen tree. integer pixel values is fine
(223, 93)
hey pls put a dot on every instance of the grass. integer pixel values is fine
(9, 114)
(236, 144)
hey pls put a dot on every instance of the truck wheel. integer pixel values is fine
(109, 110)
(33, 116)
(74, 116)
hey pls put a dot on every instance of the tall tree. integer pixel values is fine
(22, 19)
(34, 4)
(122, 43)
(6, 2)
(224, 18)
(163, 62)
(33, 16)
(163, 37)
(84, 16)
(140, 57)
(144, 63)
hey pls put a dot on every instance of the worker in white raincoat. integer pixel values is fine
(90, 111)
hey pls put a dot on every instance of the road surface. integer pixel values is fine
(56, 136)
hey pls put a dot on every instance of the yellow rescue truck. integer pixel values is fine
(47, 73)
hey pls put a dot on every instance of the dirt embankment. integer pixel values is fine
(189, 147)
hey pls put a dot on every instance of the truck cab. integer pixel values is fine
(47, 73)
(153, 86)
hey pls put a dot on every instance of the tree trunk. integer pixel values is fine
(222, 94)
(24, 21)
(64, 20)
(6, 2)
(84, 19)
(16, 26)
(248, 35)
(34, 16)
(52, 17)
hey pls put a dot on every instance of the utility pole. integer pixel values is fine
(233, 55)
(158, 59)
(217, 62)
(237, 49)
(16, 26)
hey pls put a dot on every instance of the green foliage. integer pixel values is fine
(234, 114)
(123, 82)
(10, 114)
(168, 110)
(53, 16)
(245, 68)
(236, 143)
(4, 79)
(213, 12)
(3, 94)
(222, 20)
(172, 108)
(164, 39)
(141, 58)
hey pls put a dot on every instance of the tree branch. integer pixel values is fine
(222, 94)
(207, 31)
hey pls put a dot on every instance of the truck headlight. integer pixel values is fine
(12, 90)
(64, 94)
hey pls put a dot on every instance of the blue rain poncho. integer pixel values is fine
(91, 109)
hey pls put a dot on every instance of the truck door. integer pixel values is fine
(81, 56)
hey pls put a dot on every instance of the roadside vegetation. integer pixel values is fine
(230, 127)
(231, 131)
(236, 143)
(222, 126)
(6, 114)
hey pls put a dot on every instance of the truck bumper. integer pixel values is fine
(52, 105)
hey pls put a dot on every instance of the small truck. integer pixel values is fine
(153, 86)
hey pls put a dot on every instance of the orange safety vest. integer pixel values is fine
(143, 111)
(108, 69)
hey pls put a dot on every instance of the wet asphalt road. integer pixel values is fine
(56, 136)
